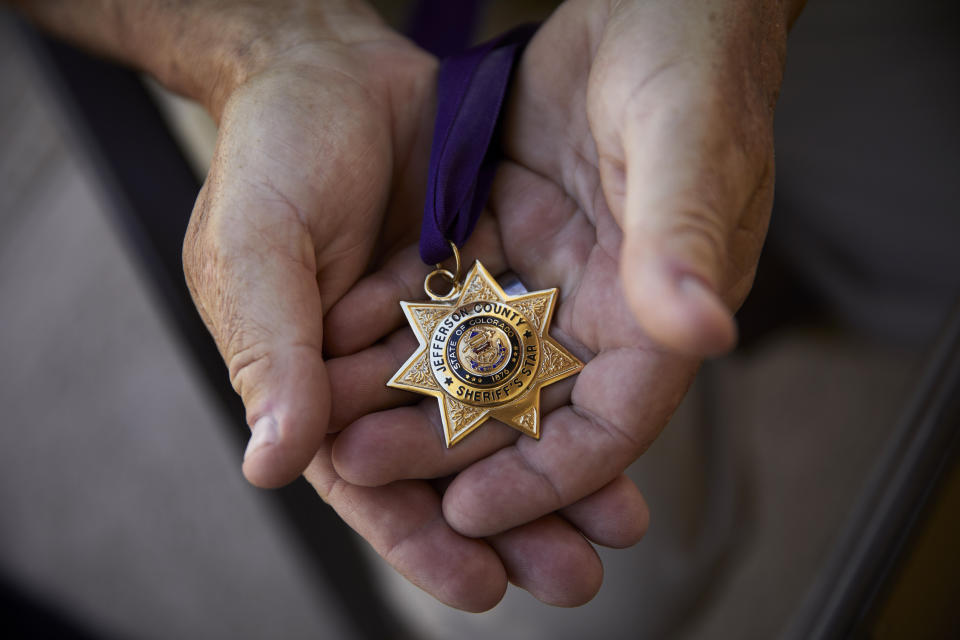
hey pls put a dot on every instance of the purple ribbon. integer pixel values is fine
(471, 88)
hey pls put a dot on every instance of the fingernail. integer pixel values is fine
(264, 434)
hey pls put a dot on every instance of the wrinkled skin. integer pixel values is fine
(638, 180)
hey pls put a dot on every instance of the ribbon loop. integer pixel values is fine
(471, 90)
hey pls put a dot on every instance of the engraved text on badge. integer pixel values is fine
(484, 353)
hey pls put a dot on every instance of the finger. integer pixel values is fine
(358, 381)
(408, 442)
(551, 560)
(371, 309)
(404, 524)
(254, 283)
(615, 516)
(620, 402)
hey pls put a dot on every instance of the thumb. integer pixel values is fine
(679, 217)
(681, 108)
(253, 279)
(693, 201)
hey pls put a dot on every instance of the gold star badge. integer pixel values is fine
(485, 354)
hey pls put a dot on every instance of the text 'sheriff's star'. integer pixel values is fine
(485, 355)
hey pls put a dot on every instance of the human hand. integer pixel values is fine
(325, 122)
(320, 166)
(639, 181)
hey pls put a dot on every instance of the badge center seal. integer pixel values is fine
(486, 353)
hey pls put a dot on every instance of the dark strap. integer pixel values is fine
(471, 88)
(443, 27)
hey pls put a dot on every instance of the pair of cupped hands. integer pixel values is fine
(638, 179)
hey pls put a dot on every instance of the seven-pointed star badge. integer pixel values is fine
(485, 354)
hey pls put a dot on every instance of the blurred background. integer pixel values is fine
(123, 512)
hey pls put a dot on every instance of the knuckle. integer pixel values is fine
(245, 363)
(553, 485)
(700, 235)
(628, 442)
(254, 358)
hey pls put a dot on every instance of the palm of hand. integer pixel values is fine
(556, 214)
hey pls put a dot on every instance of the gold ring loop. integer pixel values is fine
(456, 261)
(453, 278)
(454, 286)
